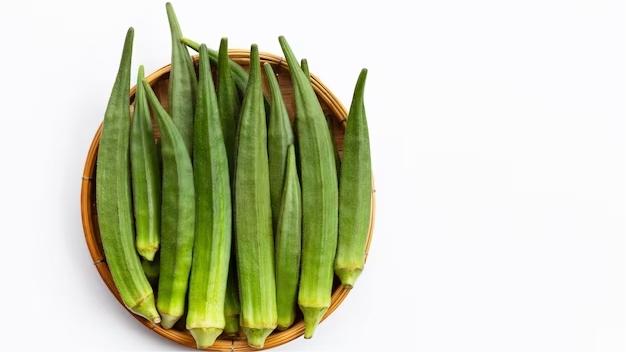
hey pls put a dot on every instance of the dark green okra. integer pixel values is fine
(113, 197)
(355, 191)
(319, 198)
(145, 176)
(239, 74)
(253, 218)
(211, 253)
(288, 244)
(279, 138)
(151, 268)
(228, 102)
(232, 308)
(182, 89)
(177, 217)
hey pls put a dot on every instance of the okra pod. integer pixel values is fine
(145, 176)
(211, 254)
(182, 83)
(319, 198)
(177, 217)
(279, 138)
(254, 241)
(355, 191)
(288, 244)
(113, 197)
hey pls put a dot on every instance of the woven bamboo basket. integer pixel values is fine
(334, 111)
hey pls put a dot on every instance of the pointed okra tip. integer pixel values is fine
(205, 337)
(312, 318)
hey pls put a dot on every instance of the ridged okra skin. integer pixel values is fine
(177, 217)
(183, 83)
(145, 175)
(319, 198)
(288, 242)
(229, 105)
(113, 197)
(355, 191)
(279, 138)
(211, 254)
(228, 101)
(253, 219)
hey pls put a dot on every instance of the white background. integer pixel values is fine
(498, 138)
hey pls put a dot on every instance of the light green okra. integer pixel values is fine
(211, 254)
(177, 217)
(254, 240)
(288, 244)
(355, 191)
(113, 196)
(319, 198)
(145, 176)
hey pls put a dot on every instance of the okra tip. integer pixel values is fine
(312, 318)
(168, 321)
(256, 337)
(147, 309)
(231, 326)
(205, 337)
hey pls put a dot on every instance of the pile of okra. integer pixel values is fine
(233, 220)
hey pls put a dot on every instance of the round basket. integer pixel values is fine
(333, 110)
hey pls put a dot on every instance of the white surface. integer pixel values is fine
(498, 134)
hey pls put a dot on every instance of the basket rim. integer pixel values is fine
(277, 338)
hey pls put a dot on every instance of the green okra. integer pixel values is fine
(211, 253)
(253, 219)
(355, 191)
(239, 74)
(232, 307)
(151, 269)
(182, 83)
(229, 105)
(145, 176)
(288, 244)
(304, 64)
(113, 197)
(228, 102)
(279, 138)
(177, 217)
(319, 198)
